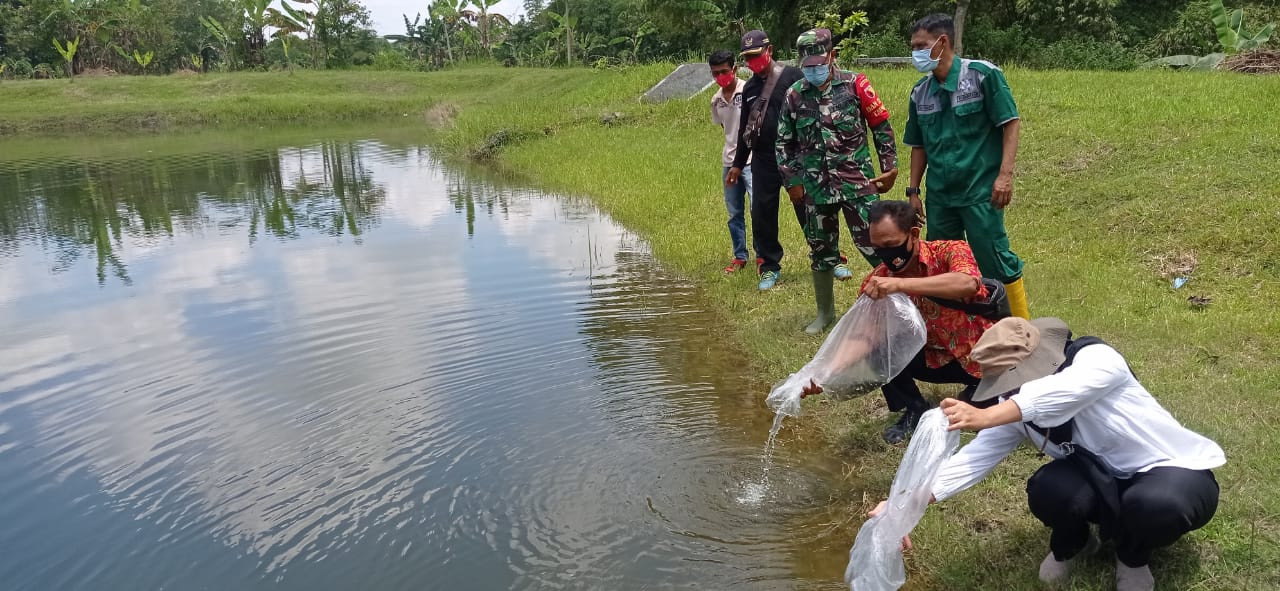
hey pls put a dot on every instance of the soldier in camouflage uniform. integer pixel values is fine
(825, 159)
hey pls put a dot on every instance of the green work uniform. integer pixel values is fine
(959, 124)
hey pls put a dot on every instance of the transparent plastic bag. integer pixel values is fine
(872, 343)
(875, 561)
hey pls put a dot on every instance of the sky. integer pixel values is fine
(387, 19)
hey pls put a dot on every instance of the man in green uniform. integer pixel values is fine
(962, 126)
(825, 160)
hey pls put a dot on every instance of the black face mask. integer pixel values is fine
(895, 257)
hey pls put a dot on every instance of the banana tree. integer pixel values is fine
(486, 21)
(415, 36)
(68, 53)
(256, 20)
(68, 18)
(1230, 29)
(455, 21)
(446, 13)
(223, 38)
(632, 43)
(565, 27)
(289, 21)
(67, 14)
(143, 60)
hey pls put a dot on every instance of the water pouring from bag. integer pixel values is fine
(872, 343)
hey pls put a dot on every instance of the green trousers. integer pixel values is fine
(982, 225)
(822, 232)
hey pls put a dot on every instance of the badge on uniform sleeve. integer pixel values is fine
(873, 108)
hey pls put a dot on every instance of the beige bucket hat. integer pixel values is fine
(1015, 351)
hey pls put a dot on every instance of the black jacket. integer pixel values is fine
(765, 145)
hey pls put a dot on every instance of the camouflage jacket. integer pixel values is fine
(822, 138)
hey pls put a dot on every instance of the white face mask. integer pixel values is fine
(923, 59)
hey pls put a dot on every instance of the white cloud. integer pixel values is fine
(590, 244)
(388, 19)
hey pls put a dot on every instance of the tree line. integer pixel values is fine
(53, 38)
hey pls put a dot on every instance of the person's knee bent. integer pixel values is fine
(1164, 514)
(1058, 493)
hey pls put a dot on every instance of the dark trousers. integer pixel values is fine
(1156, 508)
(902, 392)
(766, 186)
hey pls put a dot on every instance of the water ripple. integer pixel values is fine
(420, 381)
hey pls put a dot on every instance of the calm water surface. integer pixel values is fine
(326, 360)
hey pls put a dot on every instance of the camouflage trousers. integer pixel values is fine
(822, 231)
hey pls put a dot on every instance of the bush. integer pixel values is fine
(1016, 46)
(1013, 45)
(1087, 54)
(19, 69)
(46, 72)
(1192, 33)
(883, 44)
(391, 60)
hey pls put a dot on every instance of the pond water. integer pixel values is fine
(324, 359)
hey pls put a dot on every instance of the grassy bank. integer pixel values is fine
(532, 99)
(1123, 178)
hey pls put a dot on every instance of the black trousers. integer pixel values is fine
(766, 186)
(902, 393)
(1156, 508)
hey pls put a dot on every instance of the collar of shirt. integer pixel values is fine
(926, 253)
(952, 81)
(718, 97)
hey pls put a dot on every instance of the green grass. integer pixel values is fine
(1119, 176)
(1117, 172)
(168, 103)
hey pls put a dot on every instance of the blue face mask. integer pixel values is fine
(923, 60)
(817, 75)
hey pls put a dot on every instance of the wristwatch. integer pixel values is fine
(913, 191)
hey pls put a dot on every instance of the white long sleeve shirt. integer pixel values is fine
(1115, 418)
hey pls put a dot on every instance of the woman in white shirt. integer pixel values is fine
(1120, 460)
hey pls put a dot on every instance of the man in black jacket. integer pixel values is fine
(756, 141)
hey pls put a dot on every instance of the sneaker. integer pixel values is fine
(735, 265)
(1134, 579)
(768, 279)
(1054, 571)
(901, 430)
(843, 273)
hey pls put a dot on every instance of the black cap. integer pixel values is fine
(754, 42)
